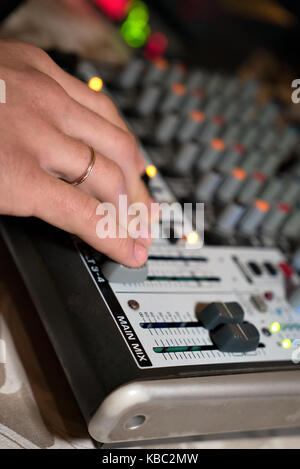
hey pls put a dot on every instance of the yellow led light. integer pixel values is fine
(286, 343)
(275, 327)
(192, 238)
(151, 171)
(96, 84)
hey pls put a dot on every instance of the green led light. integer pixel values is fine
(139, 12)
(286, 343)
(275, 327)
(134, 34)
(136, 30)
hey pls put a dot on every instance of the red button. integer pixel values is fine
(269, 295)
(286, 269)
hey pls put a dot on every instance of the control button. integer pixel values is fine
(270, 268)
(175, 73)
(270, 165)
(212, 129)
(252, 161)
(196, 79)
(185, 157)
(269, 114)
(294, 299)
(230, 158)
(213, 107)
(215, 314)
(254, 267)
(194, 100)
(157, 71)
(286, 269)
(251, 137)
(251, 188)
(274, 219)
(231, 185)
(291, 227)
(191, 126)
(271, 191)
(259, 303)
(118, 273)
(173, 98)
(166, 128)
(131, 74)
(232, 111)
(236, 338)
(296, 260)
(291, 192)
(148, 100)
(249, 90)
(210, 155)
(207, 186)
(229, 218)
(288, 140)
(253, 217)
(266, 332)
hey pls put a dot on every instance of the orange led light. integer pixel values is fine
(197, 116)
(218, 144)
(239, 174)
(262, 205)
(179, 89)
(151, 171)
(161, 63)
(96, 84)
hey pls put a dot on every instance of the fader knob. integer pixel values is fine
(236, 338)
(215, 314)
(118, 273)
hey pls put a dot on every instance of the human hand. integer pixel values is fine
(47, 125)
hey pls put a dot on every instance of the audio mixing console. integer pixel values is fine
(198, 340)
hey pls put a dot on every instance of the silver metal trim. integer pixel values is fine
(197, 406)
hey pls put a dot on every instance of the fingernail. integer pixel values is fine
(141, 253)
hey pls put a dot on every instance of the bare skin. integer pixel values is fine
(47, 125)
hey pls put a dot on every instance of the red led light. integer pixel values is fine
(156, 46)
(283, 207)
(238, 148)
(259, 176)
(115, 9)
